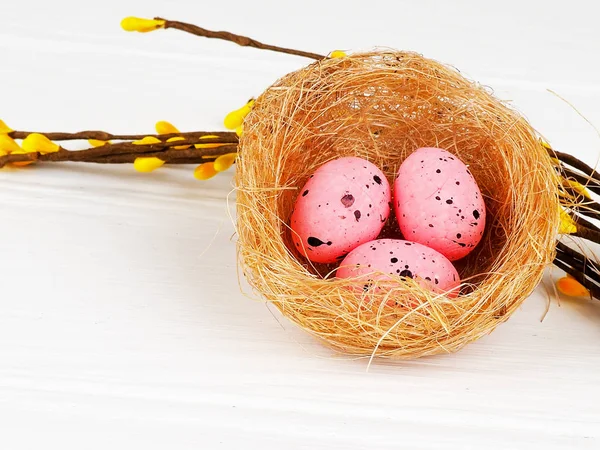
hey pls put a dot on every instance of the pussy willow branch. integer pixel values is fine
(581, 221)
(586, 233)
(584, 205)
(584, 180)
(169, 156)
(579, 259)
(225, 136)
(591, 181)
(127, 152)
(576, 163)
(578, 170)
(236, 38)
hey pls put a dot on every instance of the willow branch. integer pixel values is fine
(225, 136)
(578, 260)
(576, 163)
(588, 234)
(124, 152)
(581, 221)
(169, 156)
(235, 38)
(586, 282)
(584, 180)
(583, 205)
(579, 267)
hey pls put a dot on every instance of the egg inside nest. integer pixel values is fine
(344, 204)
(410, 189)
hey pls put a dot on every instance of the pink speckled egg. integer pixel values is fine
(344, 204)
(438, 203)
(430, 269)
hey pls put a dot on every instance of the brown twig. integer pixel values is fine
(576, 163)
(170, 156)
(584, 180)
(124, 152)
(588, 234)
(240, 40)
(583, 205)
(579, 260)
(226, 136)
(591, 286)
(579, 267)
(581, 221)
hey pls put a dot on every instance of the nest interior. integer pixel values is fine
(382, 106)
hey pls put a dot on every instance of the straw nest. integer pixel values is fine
(382, 106)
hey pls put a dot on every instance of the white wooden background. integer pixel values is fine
(121, 322)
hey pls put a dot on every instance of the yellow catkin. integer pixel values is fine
(337, 54)
(8, 144)
(97, 142)
(141, 25)
(36, 142)
(567, 224)
(235, 118)
(239, 130)
(164, 127)
(208, 145)
(577, 187)
(224, 162)
(5, 128)
(147, 164)
(571, 287)
(205, 171)
(178, 138)
(148, 140)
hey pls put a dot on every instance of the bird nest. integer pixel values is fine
(382, 106)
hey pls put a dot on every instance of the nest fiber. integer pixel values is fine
(382, 106)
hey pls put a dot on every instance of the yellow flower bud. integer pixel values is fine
(545, 144)
(235, 118)
(337, 54)
(37, 142)
(571, 287)
(97, 142)
(179, 147)
(147, 164)
(141, 25)
(224, 162)
(577, 187)
(148, 140)
(164, 127)
(5, 128)
(208, 145)
(205, 171)
(567, 224)
(8, 144)
(239, 130)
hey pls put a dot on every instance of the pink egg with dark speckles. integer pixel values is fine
(438, 203)
(344, 204)
(376, 259)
